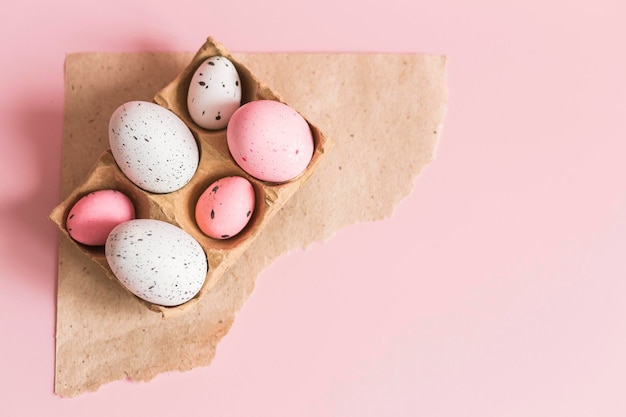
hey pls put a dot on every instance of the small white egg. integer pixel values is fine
(157, 261)
(214, 93)
(152, 146)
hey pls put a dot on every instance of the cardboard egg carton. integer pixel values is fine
(178, 207)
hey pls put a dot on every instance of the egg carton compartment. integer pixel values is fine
(178, 207)
(105, 175)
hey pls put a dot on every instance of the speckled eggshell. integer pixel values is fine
(157, 261)
(152, 146)
(270, 140)
(225, 207)
(94, 215)
(214, 93)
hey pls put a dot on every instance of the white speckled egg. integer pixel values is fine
(214, 93)
(152, 146)
(156, 261)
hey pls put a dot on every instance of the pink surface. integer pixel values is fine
(519, 306)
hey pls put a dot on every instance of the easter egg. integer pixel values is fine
(270, 140)
(156, 261)
(94, 215)
(152, 146)
(214, 93)
(225, 207)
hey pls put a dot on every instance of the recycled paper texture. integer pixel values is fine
(384, 113)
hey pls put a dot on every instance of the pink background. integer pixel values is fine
(519, 306)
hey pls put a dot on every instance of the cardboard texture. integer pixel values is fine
(384, 113)
(215, 162)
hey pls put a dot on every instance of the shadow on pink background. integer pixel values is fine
(497, 288)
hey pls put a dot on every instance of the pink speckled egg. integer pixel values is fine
(225, 207)
(93, 217)
(270, 140)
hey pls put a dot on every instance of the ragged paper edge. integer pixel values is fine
(385, 133)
